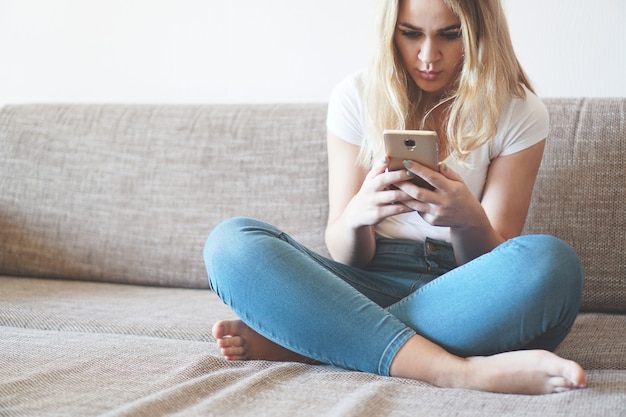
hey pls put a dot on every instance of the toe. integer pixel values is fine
(572, 373)
(225, 328)
(231, 341)
(576, 375)
(565, 374)
(560, 384)
(234, 353)
(219, 329)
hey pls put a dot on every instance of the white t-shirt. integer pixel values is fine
(523, 123)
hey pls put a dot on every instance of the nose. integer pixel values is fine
(429, 51)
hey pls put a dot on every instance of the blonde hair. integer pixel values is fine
(489, 74)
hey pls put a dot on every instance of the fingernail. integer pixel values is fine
(411, 174)
(444, 166)
(407, 164)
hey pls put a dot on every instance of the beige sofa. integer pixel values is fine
(104, 305)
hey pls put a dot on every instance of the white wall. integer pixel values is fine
(179, 50)
(571, 47)
(208, 51)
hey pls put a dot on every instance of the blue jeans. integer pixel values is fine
(523, 294)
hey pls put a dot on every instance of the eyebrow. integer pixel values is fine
(446, 29)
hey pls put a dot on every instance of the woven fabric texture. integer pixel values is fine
(96, 197)
(130, 193)
(581, 190)
(60, 358)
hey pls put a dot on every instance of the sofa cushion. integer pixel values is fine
(85, 348)
(580, 193)
(47, 373)
(596, 340)
(128, 194)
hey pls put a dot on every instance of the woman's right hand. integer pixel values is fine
(378, 198)
(358, 200)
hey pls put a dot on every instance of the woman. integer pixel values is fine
(435, 285)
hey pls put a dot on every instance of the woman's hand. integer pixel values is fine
(478, 227)
(451, 204)
(379, 197)
(358, 200)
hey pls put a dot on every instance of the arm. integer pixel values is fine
(506, 199)
(346, 241)
(478, 227)
(358, 200)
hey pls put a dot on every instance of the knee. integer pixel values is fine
(224, 233)
(556, 263)
(558, 256)
(219, 237)
(225, 243)
(232, 242)
(231, 234)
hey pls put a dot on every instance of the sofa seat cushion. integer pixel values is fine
(596, 340)
(104, 308)
(86, 348)
(51, 373)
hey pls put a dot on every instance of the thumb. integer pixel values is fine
(448, 172)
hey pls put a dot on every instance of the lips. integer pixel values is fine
(429, 75)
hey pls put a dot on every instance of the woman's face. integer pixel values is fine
(429, 42)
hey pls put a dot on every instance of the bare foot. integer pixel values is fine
(525, 372)
(519, 372)
(239, 342)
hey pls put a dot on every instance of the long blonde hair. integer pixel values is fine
(489, 74)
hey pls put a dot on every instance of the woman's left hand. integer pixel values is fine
(476, 227)
(451, 204)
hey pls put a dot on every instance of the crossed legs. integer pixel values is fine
(278, 322)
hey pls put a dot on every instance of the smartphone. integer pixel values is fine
(414, 145)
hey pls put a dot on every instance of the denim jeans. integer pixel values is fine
(523, 294)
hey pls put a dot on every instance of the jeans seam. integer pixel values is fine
(392, 350)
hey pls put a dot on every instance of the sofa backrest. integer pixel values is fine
(580, 193)
(128, 193)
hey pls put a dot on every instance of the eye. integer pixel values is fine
(452, 35)
(410, 34)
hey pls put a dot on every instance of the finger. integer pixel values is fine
(392, 196)
(427, 174)
(394, 201)
(388, 180)
(419, 193)
(378, 168)
(401, 207)
(449, 173)
(394, 209)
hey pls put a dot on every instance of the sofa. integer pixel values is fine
(105, 308)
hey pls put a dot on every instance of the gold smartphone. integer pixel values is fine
(414, 145)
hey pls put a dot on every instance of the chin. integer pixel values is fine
(435, 93)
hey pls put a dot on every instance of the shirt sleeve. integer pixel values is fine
(525, 123)
(345, 110)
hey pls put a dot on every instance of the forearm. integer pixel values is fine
(471, 242)
(503, 207)
(350, 245)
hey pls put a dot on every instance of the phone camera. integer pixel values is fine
(409, 143)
